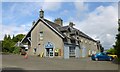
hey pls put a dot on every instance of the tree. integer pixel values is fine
(111, 50)
(5, 37)
(101, 48)
(117, 43)
(8, 44)
(9, 38)
(18, 37)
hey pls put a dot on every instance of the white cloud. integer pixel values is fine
(81, 9)
(51, 6)
(81, 6)
(14, 29)
(119, 10)
(21, 10)
(101, 24)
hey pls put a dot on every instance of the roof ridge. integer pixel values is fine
(51, 22)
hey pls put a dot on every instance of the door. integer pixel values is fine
(103, 56)
(49, 52)
(83, 52)
(49, 49)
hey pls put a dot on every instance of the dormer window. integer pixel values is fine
(76, 33)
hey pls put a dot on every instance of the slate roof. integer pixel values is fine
(52, 25)
(65, 28)
(55, 26)
(57, 29)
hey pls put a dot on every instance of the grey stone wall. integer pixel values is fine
(48, 36)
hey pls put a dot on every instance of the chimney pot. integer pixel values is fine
(59, 21)
(71, 24)
(41, 13)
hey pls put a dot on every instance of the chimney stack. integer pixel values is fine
(41, 13)
(71, 24)
(59, 21)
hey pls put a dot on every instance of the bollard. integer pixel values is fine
(41, 55)
(26, 56)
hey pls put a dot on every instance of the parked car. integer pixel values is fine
(110, 54)
(101, 56)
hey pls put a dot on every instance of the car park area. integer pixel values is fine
(38, 63)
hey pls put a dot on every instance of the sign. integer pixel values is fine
(56, 50)
(49, 45)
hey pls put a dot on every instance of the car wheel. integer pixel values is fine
(96, 59)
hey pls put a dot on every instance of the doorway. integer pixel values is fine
(49, 52)
(83, 52)
(72, 51)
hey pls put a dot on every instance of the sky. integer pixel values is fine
(97, 19)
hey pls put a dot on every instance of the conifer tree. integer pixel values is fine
(5, 37)
(117, 43)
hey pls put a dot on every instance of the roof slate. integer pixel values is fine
(65, 28)
(59, 29)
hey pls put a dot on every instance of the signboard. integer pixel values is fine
(56, 50)
(49, 45)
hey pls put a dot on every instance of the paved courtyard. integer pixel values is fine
(37, 63)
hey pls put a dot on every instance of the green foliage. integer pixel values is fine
(117, 43)
(112, 51)
(5, 37)
(16, 50)
(9, 38)
(0, 46)
(8, 44)
(19, 37)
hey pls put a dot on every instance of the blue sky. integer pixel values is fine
(96, 19)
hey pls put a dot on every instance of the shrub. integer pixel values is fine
(112, 51)
(16, 50)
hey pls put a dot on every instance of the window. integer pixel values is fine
(77, 33)
(72, 51)
(72, 41)
(41, 35)
(78, 42)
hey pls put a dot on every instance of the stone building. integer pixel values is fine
(52, 39)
